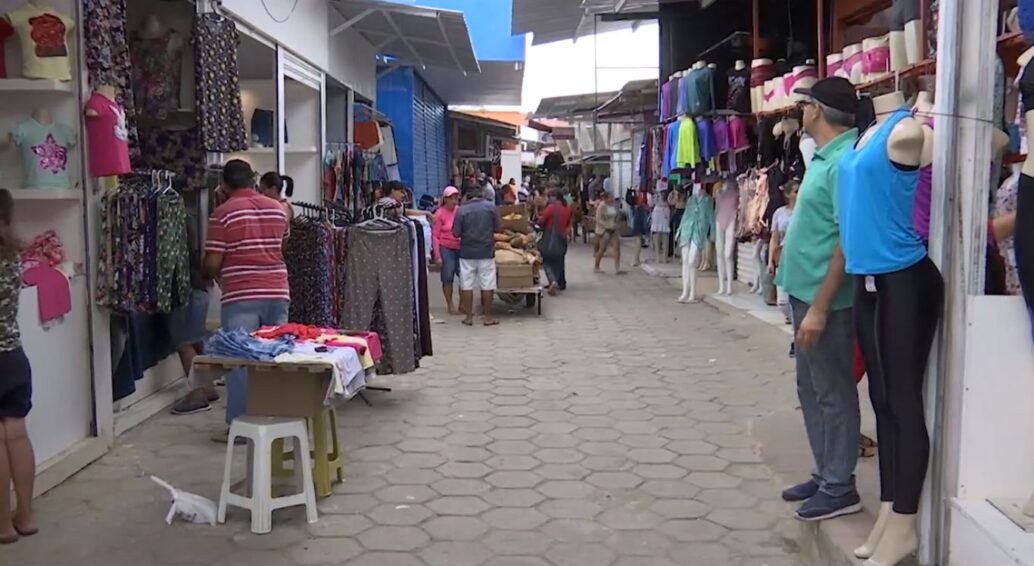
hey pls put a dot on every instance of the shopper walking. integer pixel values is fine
(476, 223)
(811, 271)
(446, 246)
(556, 222)
(17, 461)
(607, 219)
(244, 254)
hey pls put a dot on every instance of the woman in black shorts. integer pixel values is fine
(17, 462)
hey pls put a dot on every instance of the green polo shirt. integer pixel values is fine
(815, 231)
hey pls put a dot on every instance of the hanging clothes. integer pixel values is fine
(220, 115)
(178, 151)
(157, 66)
(697, 225)
(107, 56)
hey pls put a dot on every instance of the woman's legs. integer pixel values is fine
(602, 243)
(22, 462)
(447, 291)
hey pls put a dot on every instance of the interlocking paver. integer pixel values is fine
(595, 434)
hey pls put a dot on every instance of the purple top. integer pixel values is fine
(921, 206)
(721, 134)
(727, 205)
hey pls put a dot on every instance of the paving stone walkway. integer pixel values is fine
(613, 429)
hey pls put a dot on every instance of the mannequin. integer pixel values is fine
(1024, 231)
(853, 58)
(889, 262)
(876, 57)
(760, 72)
(695, 230)
(107, 134)
(157, 53)
(835, 65)
(726, 206)
(739, 65)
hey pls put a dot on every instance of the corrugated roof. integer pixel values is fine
(571, 106)
(558, 20)
(423, 37)
(636, 100)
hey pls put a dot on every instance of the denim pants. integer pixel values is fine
(829, 399)
(249, 316)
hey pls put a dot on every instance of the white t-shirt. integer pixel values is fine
(781, 220)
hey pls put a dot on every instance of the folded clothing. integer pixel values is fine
(240, 344)
(348, 375)
(373, 341)
(298, 331)
(55, 296)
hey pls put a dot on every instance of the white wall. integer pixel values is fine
(352, 63)
(304, 32)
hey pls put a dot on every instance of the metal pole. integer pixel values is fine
(958, 232)
(756, 37)
(820, 13)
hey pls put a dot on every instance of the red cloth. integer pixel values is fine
(373, 341)
(45, 249)
(55, 296)
(299, 331)
(5, 31)
(560, 212)
(108, 137)
(859, 362)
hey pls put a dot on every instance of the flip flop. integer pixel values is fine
(28, 532)
(467, 322)
(492, 322)
(9, 539)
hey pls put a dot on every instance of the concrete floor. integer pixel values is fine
(613, 429)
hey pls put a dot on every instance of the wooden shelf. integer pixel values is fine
(35, 85)
(311, 149)
(46, 194)
(926, 66)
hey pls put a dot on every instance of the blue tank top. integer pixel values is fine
(875, 201)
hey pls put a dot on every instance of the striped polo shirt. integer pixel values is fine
(249, 230)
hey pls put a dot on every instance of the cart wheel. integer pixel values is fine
(540, 302)
(530, 300)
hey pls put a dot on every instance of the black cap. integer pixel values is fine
(835, 92)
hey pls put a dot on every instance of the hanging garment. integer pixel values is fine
(178, 151)
(220, 115)
(308, 272)
(157, 66)
(44, 149)
(697, 226)
(726, 205)
(107, 56)
(379, 291)
(107, 136)
(698, 86)
(706, 139)
(739, 91)
(688, 152)
(43, 37)
(6, 31)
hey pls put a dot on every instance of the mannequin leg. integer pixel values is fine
(869, 547)
(690, 256)
(719, 248)
(908, 309)
(728, 251)
(760, 266)
(1024, 238)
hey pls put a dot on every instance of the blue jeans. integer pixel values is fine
(829, 399)
(247, 315)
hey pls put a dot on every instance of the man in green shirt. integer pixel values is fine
(811, 270)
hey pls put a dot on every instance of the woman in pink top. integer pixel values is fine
(445, 246)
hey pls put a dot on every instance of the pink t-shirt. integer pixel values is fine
(108, 137)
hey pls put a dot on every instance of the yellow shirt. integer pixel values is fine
(366, 358)
(43, 37)
(689, 150)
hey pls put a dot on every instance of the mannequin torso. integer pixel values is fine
(905, 142)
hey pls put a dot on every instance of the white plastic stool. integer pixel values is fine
(262, 431)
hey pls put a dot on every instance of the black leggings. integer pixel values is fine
(896, 326)
(1024, 241)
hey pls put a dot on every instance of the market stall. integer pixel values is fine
(517, 258)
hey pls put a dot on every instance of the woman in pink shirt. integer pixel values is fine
(445, 246)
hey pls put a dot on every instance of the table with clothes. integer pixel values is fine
(346, 357)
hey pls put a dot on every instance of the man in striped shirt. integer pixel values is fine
(244, 253)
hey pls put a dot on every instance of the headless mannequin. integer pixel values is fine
(740, 65)
(41, 115)
(1024, 229)
(725, 245)
(690, 257)
(894, 535)
(153, 29)
(106, 91)
(699, 65)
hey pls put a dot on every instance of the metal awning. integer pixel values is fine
(496, 128)
(413, 35)
(635, 101)
(557, 20)
(573, 106)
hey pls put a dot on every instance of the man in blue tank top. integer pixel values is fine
(811, 270)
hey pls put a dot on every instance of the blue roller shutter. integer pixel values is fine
(430, 146)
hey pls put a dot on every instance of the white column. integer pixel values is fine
(958, 236)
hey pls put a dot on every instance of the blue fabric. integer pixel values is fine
(247, 316)
(705, 136)
(242, 345)
(876, 199)
(147, 343)
(671, 142)
(450, 264)
(829, 400)
(1027, 19)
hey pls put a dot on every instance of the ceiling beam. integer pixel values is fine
(384, 43)
(445, 37)
(578, 27)
(620, 6)
(393, 35)
(394, 26)
(351, 22)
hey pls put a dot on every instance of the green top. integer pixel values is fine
(697, 225)
(815, 231)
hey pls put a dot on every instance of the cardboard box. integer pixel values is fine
(522, 226)
(515, 276)
(287, 393)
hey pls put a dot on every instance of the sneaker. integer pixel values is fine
(190, 406)
(824, 506)
(801, 491)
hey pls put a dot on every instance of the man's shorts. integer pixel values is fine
(478, 273)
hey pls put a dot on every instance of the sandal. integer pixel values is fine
(866, 447)
(9, 539)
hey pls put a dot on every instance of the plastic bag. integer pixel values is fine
(190, 507)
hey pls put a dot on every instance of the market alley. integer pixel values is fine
(613, 429)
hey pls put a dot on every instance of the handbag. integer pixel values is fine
(553, 243)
